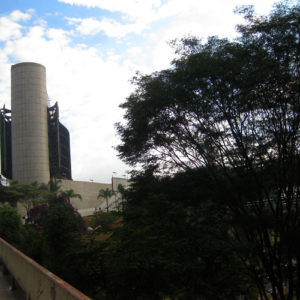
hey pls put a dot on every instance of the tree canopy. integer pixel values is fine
(174, 242)
(234, 108)
(227, 103)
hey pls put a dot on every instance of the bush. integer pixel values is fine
(10, 224)
(102, 221)
(32, 243)
(62, 231)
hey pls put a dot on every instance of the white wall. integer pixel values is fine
(89, 192)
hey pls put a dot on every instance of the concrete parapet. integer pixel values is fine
(36, 281)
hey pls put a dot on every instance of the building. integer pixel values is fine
(59, 146)
(5, 140)
(35, 145)
(58, 143)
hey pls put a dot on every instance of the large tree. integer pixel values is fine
(234, 107)
(174, 243)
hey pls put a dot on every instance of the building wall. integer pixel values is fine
(116, 181)
(89, 192)
(30, 153)
(30, 147)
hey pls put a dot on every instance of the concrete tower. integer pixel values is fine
(30, 151)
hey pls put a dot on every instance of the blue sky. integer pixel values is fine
(92, 48)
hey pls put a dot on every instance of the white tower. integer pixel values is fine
(30, 152)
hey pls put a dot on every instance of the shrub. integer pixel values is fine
(102, 221)
(10, 224)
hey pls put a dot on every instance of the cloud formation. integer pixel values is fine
(87, 87)
(110, 27)
(90, 60)
(133, 10)
(9, 26)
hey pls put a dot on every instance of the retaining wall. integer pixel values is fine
(37, 282)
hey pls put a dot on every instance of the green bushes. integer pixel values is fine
(10, 224)
(102, 221)
(62, 230)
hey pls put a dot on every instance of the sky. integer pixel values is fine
(92, 48)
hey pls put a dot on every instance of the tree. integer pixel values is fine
(106, 194)
(174, 243)
(233, 107)
(221, 102)
(10, 224)
(28, 195)
(62, 230)
(54, 185)
(120, 194)
(71, 194)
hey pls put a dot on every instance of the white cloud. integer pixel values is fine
(20, 16)
(9, 28)
(197, 18)
(137, 16)
(58, 35)
(189, 16)
(132, 9)
(87, 88)
(90, 84)
(110, 27)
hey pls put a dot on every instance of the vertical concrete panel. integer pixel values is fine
(30, 152)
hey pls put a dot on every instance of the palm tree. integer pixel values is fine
(54, 185)
(106, 194)
(71, 194)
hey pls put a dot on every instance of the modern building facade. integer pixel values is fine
(5, 140)
(34, 144)
(59, 146)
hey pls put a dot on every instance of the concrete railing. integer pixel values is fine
(37, 282)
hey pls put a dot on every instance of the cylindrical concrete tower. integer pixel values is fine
(30, 152)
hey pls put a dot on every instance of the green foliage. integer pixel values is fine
(10, 224)
(121, 189)
(227, 103)
(102, 221)
(62, 231)
(54, 235)
(85, 268)
(233, 107)
(174, 243)
(71, 194)
(32, 243)
(54, 185)
(106, 194)
(28, 195)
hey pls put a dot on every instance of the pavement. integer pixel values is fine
(6, 291)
